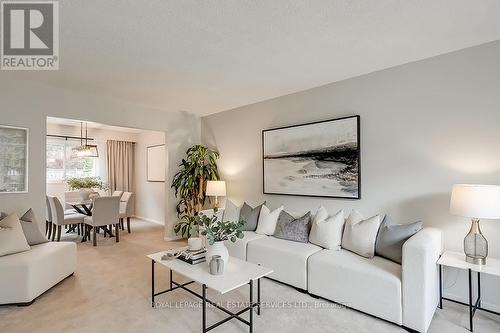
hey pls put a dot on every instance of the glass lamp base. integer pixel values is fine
(475, 245)
(475, 261)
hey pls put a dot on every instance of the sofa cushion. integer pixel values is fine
(326, 231)
(31, 229)
(26, 275)
(391, 238)
(12, 239)
(369, 285)
(238, 249)
(294, 229)
(288, 259)
(268, 220)
(360, 234)
(250, 216)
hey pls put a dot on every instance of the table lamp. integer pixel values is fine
(216, 188)
(476, 202)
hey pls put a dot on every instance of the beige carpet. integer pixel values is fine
(110, 292)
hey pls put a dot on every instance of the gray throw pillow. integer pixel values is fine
(250, 216)
(31, 229)
(293, 229)
(391, 238)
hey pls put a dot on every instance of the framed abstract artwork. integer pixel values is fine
(13, 159)
(320, 159)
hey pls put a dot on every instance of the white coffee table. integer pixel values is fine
(237, 273)
(457, 260)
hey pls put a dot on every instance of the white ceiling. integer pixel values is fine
(91, 125)
(209, 56)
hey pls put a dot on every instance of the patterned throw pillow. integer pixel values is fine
(293, 229)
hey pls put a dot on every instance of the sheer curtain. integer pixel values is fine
(120, 165)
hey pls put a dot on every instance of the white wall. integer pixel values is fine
(424, 127)
(27, 105)
(149, 204)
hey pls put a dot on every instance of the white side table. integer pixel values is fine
(457, 260)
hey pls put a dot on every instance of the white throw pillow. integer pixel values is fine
(12, 238)
(326, 231)
(268, 220)
(360, 234)
(231, 212)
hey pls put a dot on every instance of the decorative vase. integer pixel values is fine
(217, 249)
(195, 243)
(85, 193)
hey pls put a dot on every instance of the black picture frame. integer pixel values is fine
(358, 158)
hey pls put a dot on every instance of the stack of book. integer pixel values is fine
(193, 257)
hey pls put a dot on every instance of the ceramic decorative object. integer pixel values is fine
(195, 243)
(219, 249)
(216, 265)
(85, 193)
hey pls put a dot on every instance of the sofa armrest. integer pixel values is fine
(420, 280)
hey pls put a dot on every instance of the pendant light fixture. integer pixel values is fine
(85, 150)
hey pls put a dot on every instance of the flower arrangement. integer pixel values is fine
(86, 182)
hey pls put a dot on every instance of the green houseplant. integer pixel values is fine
(218, 231)
(86, 185)
(189, 183)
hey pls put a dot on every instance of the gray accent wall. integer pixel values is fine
(424, 126)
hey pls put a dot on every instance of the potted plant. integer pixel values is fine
(218, 231)
(198, 167)
(86, 185)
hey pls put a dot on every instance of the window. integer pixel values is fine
(61, 164)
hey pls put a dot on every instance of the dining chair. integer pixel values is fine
(117, 194)
(126, 204)
(71, 196)
(59, 218)
(106, 211)
(48, 218)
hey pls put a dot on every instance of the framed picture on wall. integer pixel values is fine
(320, 159)
(13, 159)
(155, 163)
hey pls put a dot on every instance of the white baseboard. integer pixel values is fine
(149, 220)
(484, 305)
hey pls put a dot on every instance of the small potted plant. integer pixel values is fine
(217, 232)
(86, 185)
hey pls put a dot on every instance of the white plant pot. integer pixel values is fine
(85, 193)
(217, 249)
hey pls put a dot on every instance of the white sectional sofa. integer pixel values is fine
(26, 275)
(406, 295)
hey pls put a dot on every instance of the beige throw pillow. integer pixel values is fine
(360, 234)
(12, 238)
(326, 231)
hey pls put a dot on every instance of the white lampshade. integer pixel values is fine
(476, 201)
(216, 188)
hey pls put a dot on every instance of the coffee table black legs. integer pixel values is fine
(204, 308)
(251, 306)
(205, 301)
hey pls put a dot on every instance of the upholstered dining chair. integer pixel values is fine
(48, 218)
(59, 218)
(117, 194)
(126, 204)
(106, 211)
